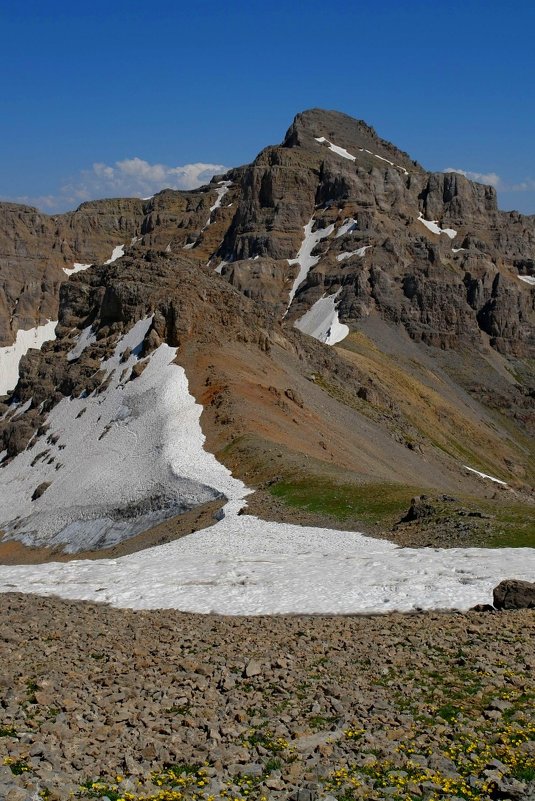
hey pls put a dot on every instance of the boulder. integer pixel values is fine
(514, 594)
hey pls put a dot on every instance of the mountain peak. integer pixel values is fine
(343, 131)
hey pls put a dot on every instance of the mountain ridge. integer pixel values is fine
(431, 369)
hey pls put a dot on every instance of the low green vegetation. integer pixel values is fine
(370, 503)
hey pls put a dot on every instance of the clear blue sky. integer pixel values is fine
(175, 83)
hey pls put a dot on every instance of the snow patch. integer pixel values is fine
(321, 321)
(457, 250)
(528, 279)
(117, 253)
(219, 268)
(85, 338)
(347, 227)
(484, 475)
(246, 566)
(340, 151)
(76, 268)
(434, 227)
(346, 254)
(11, 355)
(221, 191)
(304, 258)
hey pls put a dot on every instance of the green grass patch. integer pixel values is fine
(371, 503)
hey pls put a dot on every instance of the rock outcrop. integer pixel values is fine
(514, 594)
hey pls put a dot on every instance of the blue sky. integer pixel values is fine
(112, 98)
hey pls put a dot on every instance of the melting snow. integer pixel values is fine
(484, 475)
(529, 279)
(76, 268)
(346, 254)
(321, 321)
(128, 457)
(242, 565)
(87, 337)
(433, 226)
(347, 227)
(118, 252)
(11, 355)
(304, 258)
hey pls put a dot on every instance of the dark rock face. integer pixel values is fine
(514, 594)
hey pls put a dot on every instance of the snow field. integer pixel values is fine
(246, 566)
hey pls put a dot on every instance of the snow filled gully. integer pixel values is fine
(154, 448)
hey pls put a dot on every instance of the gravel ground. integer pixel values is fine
(103, 703)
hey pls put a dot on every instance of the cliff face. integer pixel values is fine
(35, 248)
(448, 289)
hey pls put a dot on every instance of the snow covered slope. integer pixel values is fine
(116, 462)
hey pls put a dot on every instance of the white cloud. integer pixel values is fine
(137, 177)
(524, 186)
(133, 177)
(490, 178)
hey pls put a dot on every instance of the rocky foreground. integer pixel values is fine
(103, 703)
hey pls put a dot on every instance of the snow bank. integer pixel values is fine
(304, 258)
(118, 461)
(434, 227)
(244, 565)
(346, 254)
(321, 321)
(11, 355)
